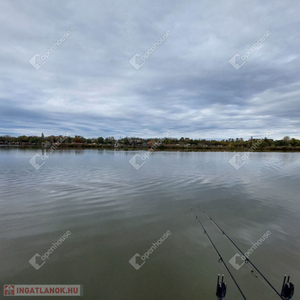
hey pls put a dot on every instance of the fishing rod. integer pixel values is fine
(287, 290)
(220, 284)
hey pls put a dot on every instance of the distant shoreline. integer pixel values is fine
(171, 149)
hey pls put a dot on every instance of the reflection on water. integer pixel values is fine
(114, 212)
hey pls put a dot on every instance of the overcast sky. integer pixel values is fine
(186, 86)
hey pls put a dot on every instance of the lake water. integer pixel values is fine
(114, 211)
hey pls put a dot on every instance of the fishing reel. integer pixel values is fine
(221, 288)
(287, 291)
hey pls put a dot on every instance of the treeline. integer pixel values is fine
(165, 143)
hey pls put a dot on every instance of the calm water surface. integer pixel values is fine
(114, 211)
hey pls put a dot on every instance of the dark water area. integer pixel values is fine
(114, 212)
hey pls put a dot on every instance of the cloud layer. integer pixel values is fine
(186, 86)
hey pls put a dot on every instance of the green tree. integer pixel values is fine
(295, 142)
(127, 141)
(263, 144)
(108, 141)
(23, 138)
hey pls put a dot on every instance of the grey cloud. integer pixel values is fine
(186, 86)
